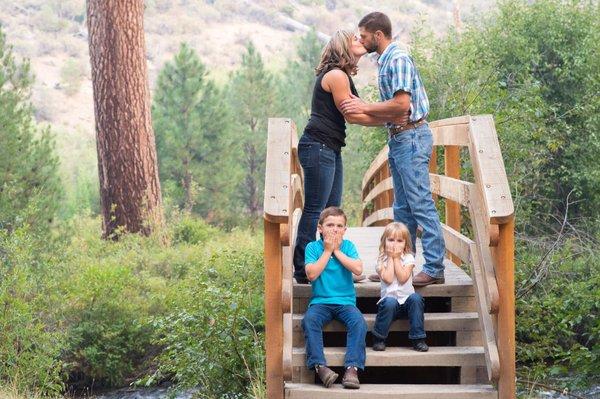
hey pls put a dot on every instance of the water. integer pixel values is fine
(145, 393)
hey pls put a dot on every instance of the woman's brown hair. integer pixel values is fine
(337, 54)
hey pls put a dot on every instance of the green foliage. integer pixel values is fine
(253, 99)
(193, 140)
(224, 296)
(30, 340)
(193, 231)
(298, 80)
(79, 310)
(532, 66)
(28, 166)
(558, 329)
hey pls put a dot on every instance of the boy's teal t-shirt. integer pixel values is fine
(335, 285)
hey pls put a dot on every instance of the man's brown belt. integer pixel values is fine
(399, 129)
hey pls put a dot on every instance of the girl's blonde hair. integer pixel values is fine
(337, 54)
(395, 229)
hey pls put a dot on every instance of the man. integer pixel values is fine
(410, 144)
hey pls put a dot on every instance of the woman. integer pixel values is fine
(319, 148)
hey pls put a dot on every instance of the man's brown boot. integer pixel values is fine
(350, 380)
(327, 375)
(423, 279)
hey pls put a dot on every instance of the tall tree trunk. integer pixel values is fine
(129, 187)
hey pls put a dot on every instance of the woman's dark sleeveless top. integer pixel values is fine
(327, 124)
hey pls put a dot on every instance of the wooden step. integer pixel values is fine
(433, 322)
(371, 289)
(442, 356)
(391, 391)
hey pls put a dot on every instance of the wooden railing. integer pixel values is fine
(283, 204)
(490, 253)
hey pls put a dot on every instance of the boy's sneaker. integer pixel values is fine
(350, 380)
(379, 346)
(419, 345)
(326, 375)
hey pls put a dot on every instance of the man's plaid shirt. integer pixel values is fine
(397, 71)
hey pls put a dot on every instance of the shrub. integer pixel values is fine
(30, 343)
(558, 329)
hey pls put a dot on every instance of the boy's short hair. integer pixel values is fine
(332, 211)
(375, 21)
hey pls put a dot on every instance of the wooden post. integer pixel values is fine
(452, 169)
(273, 311)
(505, 273)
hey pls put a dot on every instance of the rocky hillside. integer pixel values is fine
(53, 35)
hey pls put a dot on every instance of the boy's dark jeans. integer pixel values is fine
(389, 310)
(317, 316)
(323, 183)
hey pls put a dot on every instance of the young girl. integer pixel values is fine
(398, 297)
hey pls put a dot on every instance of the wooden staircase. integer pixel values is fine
(469, 320)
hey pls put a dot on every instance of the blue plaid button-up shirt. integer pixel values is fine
(397, 71)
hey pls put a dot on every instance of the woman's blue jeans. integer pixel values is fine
(317, 316)
(323, 184)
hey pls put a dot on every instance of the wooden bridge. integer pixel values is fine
(469, 320)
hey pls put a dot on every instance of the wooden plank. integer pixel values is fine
(457, 120)
(391, 391)
(452, 170)
(466, 321)
(380, 188)
(278, 169)
(505, 255)
(379, 161)
(296, 193)
(457, 244)
(287, 346)
(437, 356)
(492, 359)
(455, 135)
(381, 215)
(273, 312)
(478, 221)
(287, 284)
(453, 189)
(489, 171)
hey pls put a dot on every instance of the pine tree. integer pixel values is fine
(29, 182)
(295, 90)
(252, 97)
(128, 170)
(191, 125)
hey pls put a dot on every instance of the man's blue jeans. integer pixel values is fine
(408, 158)
(389, 310)
(323, 184)
(317, 316)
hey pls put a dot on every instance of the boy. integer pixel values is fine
(330, 263)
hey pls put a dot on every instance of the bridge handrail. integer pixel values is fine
(488, 199)
(283, 203)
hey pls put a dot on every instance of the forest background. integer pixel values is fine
(81, 313)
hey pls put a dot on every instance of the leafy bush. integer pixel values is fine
(30, 340)
(212, 337)
(194, 231)
(558, 328)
